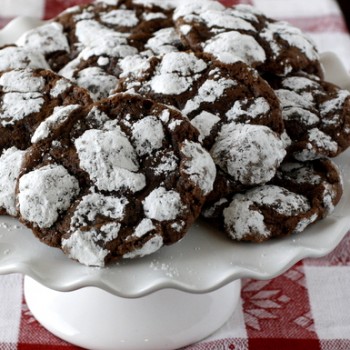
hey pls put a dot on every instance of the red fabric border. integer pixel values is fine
(284, 344)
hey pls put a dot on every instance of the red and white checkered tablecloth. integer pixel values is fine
(305, 308)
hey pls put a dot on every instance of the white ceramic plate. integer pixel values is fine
(202, 262)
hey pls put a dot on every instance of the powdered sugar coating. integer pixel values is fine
(68, 71)
(121, 17)
(46, 39)
(305, 223)
(97, 118)
(163, 41)
(147, 135)
(176, 73)
(300, 173)
(328, 199)
(135, 65)
(204, 122)
(334, 104)
(168, 163)
(17, 106)
(196, 7)
(83, 246)
(297, 83)
(10, 166)
(209, 91)
(290, 99)
(199, 166)
(297, 107)
(320, 180)
(292, 35)
(244, 216)
(60, 87)
(226, 19)
(96, 81)
(89, 33)
(149, 16)
(317, 140)
(174, 124)
(95, 204)
(231, 47)
(87, 246)
(304, 116)
(110, 160)
(59, 116)
(249, 153)
(259, 107)
(163, 4)
(84, 15)
(151, 246)
(316, 115)
(165, 116)
(12, 57)
(114, 44)
(22, 95)
(102, 61)
(145, 226)
(21, 81)
(44, 193)
(163, 205)
(185, 29)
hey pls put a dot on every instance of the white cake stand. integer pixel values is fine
(172, 298)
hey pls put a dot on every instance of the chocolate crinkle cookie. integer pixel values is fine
(236, 112)
(72, 42)
(242, 33)
(319, 180)
(316, 115)
(300, 194)
(125, 30)
(31, 102)
(120, 182)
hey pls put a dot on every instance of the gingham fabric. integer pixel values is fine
(307, 307)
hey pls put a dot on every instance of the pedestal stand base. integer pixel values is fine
(95, 319)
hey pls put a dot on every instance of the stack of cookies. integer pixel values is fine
(122, 121)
